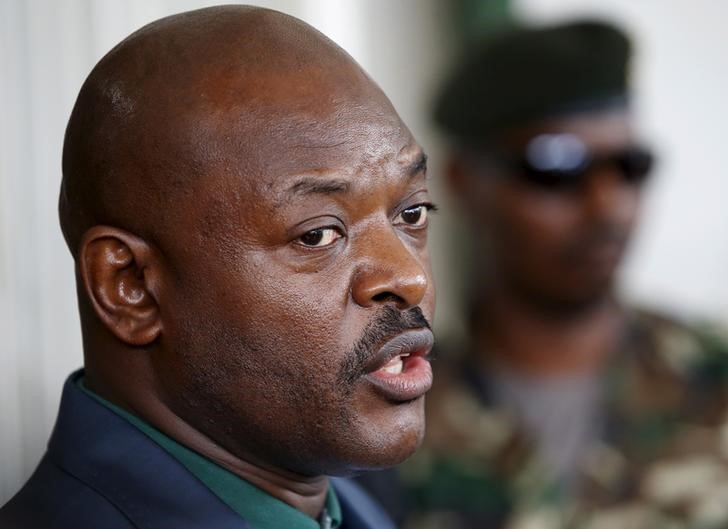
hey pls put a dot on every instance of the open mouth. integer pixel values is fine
(395, 365)
(400, 371)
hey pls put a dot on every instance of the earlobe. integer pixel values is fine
(117, 270)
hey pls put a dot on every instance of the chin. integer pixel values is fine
(399, 437)
(385, 439)
(377, 460)
(593, 291)
(581, 294)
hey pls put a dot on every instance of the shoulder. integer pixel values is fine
(66, 503)
(668, 396)
(689, 347)
(102, 471)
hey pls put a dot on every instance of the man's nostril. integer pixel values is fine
(386, 296)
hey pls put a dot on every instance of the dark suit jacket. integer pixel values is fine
(101, 472)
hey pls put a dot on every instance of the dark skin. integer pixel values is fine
(548, 259)
(243, 204)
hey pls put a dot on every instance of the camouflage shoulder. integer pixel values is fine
(687, 345)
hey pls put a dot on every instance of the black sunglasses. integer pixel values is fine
(562, 162)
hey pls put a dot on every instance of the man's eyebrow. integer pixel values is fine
(308, 185)
(315, 186)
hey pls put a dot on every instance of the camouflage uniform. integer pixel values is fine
(661, 462)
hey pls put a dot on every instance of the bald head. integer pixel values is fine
(248, 216)
(178, 99)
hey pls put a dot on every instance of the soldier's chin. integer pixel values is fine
(591, 292)
(576, 297)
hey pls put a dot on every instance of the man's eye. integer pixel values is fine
(415, 216)
(319, 237)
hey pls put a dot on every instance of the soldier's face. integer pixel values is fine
(300, 291)
(563, 243)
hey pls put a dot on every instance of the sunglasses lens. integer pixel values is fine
(562, 162)
(636, 164)
(555, 161)
(552, 180)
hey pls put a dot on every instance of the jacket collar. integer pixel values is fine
(146, 483)
(132, 472)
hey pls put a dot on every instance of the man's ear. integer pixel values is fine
(120, 277)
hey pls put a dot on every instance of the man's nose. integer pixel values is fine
(609, 196)
(389, 272)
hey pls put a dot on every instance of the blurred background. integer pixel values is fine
(678, 259)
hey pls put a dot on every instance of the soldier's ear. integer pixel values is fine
(455, 176)
(462, 177)
(472, 182)
(120, 276)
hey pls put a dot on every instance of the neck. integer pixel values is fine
(529, 339)
(307, 494)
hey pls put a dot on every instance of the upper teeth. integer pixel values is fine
(394, 367)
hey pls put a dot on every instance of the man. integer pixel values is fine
(248, 217)
(568, 408)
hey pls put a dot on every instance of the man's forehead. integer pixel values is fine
(294, 112)
(349, 140)
(399, 166)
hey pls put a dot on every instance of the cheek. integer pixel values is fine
(629, 207)
(262, 339)
(300, 312)
(253, 312)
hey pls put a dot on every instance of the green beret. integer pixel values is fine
(527, 74)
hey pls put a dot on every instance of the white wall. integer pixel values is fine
(680, 257)
(46, 50)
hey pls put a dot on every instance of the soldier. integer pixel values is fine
(567, 407)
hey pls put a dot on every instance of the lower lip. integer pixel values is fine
(413, 382)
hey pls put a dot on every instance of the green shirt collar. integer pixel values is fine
(258, 508)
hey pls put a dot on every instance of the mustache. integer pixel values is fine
(597, 235)
(388, 323)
